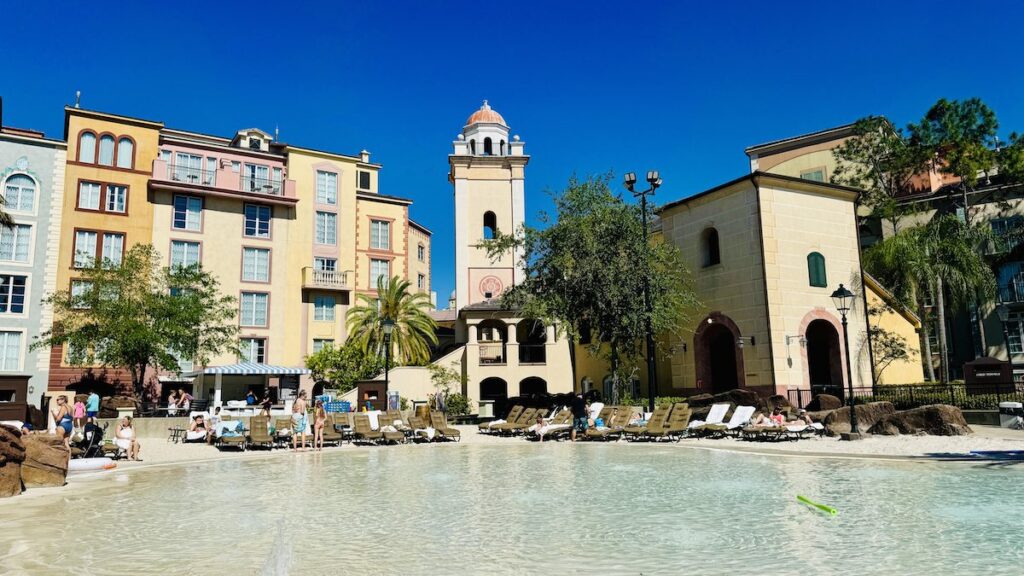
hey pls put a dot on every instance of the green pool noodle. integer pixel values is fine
(827, 509)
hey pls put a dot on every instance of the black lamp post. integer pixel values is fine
(843, 299)
(388, 325)
(655, 181)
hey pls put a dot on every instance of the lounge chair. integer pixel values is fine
(237, 439)
(675, 425)
(562, 421)
(800, 430)
(715, 416)
(512, 416)
(420, 429)
(282, 430)
(440, 423)
(740, 418)
(525, 417)
(616, 426)
(657, 422)
(764, 433)
(361, 430)
(330, 433)
(259, 435)
(342, 422)
(396, 436)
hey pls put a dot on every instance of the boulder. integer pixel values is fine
(12, 454)
(838, 421)
(46, 461)
(36, 417)
(778, 400)
(110, 404)
(824, 402)
(740, 397)
(700, 400)
(936, 419)
(820, 415)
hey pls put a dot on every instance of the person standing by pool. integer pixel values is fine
(267, 404)
(184, 399)
(579, 416)
(62, 418)
(319, 419)
(92, 404)
(299, 419)
(172, 403)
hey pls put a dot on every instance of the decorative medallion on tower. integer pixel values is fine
(491, 287)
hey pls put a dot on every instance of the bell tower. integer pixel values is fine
(487, 169)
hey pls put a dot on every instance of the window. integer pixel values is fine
(254, 308)
(421, 253)
(12, 294)
(325, 264)
(323, 308)
(89, 195)
(113, 248)
(256, 264)
(1014, 340)
(210, 176)
(490, 225)
(253, 350)
(85, 248)
(125, 153)
(165, 155)
(488, 150)
(79, 292)
(117, 198)
(106, 150)
(184, 254)
(709, 243)
(188, 211)
(10, 351)
(472, 147)
(321, 343)
(236, 167)
(1004, 229)
(14, 243)
(363, 180)
(188, 168)
(87, 148)
(380, 235)
(816, 270)
(257, 221)
(326, 187)
(326, 228)
(502, 148)
(20, 193)
(421, 281)
(102, 197)
(256, 178)
(817, 174)
(379, 269)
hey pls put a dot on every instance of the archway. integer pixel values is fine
(533, 386)
(719, 365)
(824, 358)
(494, 389)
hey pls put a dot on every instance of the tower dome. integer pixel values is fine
(486, 115)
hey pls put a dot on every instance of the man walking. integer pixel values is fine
(579, 416)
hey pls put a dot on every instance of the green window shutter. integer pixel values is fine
(816, 270)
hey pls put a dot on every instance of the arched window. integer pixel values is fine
(472, 147)
(816, 270)
(87, 147)
(125, 153)
(709, 245)
(106, 150)
(20, 193)
(488, 150)
(490, 225)
(502, 147)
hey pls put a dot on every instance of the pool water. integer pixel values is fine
(521, 508)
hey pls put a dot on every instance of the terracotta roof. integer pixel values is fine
(486, 114)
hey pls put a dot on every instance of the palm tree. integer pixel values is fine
(944, 256)
(413, 331)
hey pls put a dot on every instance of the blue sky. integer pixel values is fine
(590, 86)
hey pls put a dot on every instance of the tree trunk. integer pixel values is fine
(980, 321)
(926, 346)
(941, 305)
(572, 359)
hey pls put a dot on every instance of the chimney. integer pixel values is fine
(364, 157)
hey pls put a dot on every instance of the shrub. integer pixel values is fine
(659, 401)
(403, 403)
(457, 404)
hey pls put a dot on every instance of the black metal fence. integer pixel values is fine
(964, 396)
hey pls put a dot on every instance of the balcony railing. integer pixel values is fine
(532, 353)
(191, 175)
(258, 185)
(1012, 293)
(324, 279)
(492, 352)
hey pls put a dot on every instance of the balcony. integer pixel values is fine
(492, 353)
(223, 182)
(532, 353)
(313, 279)
(1012, 293)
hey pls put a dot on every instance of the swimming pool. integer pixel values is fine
(527, 509)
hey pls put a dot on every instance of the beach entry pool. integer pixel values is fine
(554, 508)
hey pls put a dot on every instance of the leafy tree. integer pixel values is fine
(341, 367)
(140, 316)
(585, 271)
(886, 346)
(413, 333)
(880, 160)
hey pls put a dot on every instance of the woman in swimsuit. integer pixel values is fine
(197, 431)
(319, 419)
(126, 438)
(299, 420)
(62, 418)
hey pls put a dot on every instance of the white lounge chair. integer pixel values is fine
(740, 417)
(715, 416)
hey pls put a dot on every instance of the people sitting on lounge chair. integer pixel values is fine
(126, 439)
(776, 418)
(197, 431)
(803, 417)
(538, 424)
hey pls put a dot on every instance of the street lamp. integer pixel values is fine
(843, 299)
(655, 181)
(388, 325)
